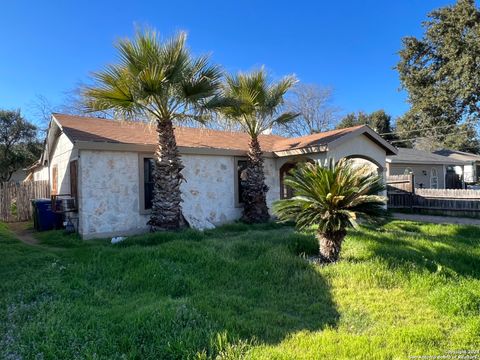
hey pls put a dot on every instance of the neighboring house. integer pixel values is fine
(430, 170)
(18, 176)
(472, 167)
(107, 166)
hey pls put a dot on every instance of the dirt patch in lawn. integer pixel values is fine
(24, 232)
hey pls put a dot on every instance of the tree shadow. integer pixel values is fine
(248, 281)
(452, 250)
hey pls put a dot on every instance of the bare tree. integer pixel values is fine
(314, 104)
(71, 103)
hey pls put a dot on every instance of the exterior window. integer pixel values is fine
(434, 179)
(408, 171)
(240, 177)
(148, 165)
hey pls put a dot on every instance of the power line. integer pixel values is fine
(396, 132)
(426, 137)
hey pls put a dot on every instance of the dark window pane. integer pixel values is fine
(148, 165)
(241, 177)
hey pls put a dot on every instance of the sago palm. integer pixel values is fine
(333, 198)
(162, 82)
(254, 103)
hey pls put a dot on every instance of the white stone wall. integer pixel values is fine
(110, 191)
(109, 194)
(109, 187)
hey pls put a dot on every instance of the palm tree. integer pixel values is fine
(251, 101)
(162, 82)
(333, 198)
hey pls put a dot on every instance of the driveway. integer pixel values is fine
(437, 219)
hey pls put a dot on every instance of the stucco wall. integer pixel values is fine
(360, 146)
(110, 191)
(61, 155)
(418, 169)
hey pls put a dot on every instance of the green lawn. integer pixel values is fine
(239, 291)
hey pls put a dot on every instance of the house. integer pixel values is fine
(430, 170)
(107, 166)
(471, 168)
(18, 176)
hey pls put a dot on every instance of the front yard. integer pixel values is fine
(240, 291)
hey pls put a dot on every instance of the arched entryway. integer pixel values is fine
(285, 191)
(362, 160)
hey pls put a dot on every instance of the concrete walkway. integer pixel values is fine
(436, 219)
(23, 232)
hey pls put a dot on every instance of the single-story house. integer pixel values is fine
(18, 176)
(430, 170)
(471, 173)
(107, 166)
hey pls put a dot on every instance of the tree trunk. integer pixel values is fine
(330, 245)
(255, 208)
(166, 204)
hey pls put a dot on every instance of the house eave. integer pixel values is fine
(302, 151)
(420, 162)
(150, 148)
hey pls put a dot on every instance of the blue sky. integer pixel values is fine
(47, 47)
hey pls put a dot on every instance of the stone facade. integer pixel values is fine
(110, 184)
(110, 191)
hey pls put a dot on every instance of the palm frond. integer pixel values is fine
(155, 77)
(252, 101)
(332, 196)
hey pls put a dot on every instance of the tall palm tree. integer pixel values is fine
(250, 100)
(333, 198)
(160, 81)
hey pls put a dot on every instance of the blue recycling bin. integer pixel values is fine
(43, 216)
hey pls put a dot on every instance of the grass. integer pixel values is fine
(241, 291)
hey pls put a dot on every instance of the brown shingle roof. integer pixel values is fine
(80, 128)
(312, 140)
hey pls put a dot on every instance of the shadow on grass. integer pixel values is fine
(435, 248)
(177, 291)
(244, 278)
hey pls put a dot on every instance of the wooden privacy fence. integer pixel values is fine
(403, 195)
(15, 199)
(448, 200)
(400, 191)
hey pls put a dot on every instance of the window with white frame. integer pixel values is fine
(433, 179)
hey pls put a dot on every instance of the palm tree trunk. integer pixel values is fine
(330, 245)
(166, 204)
(255, 208)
